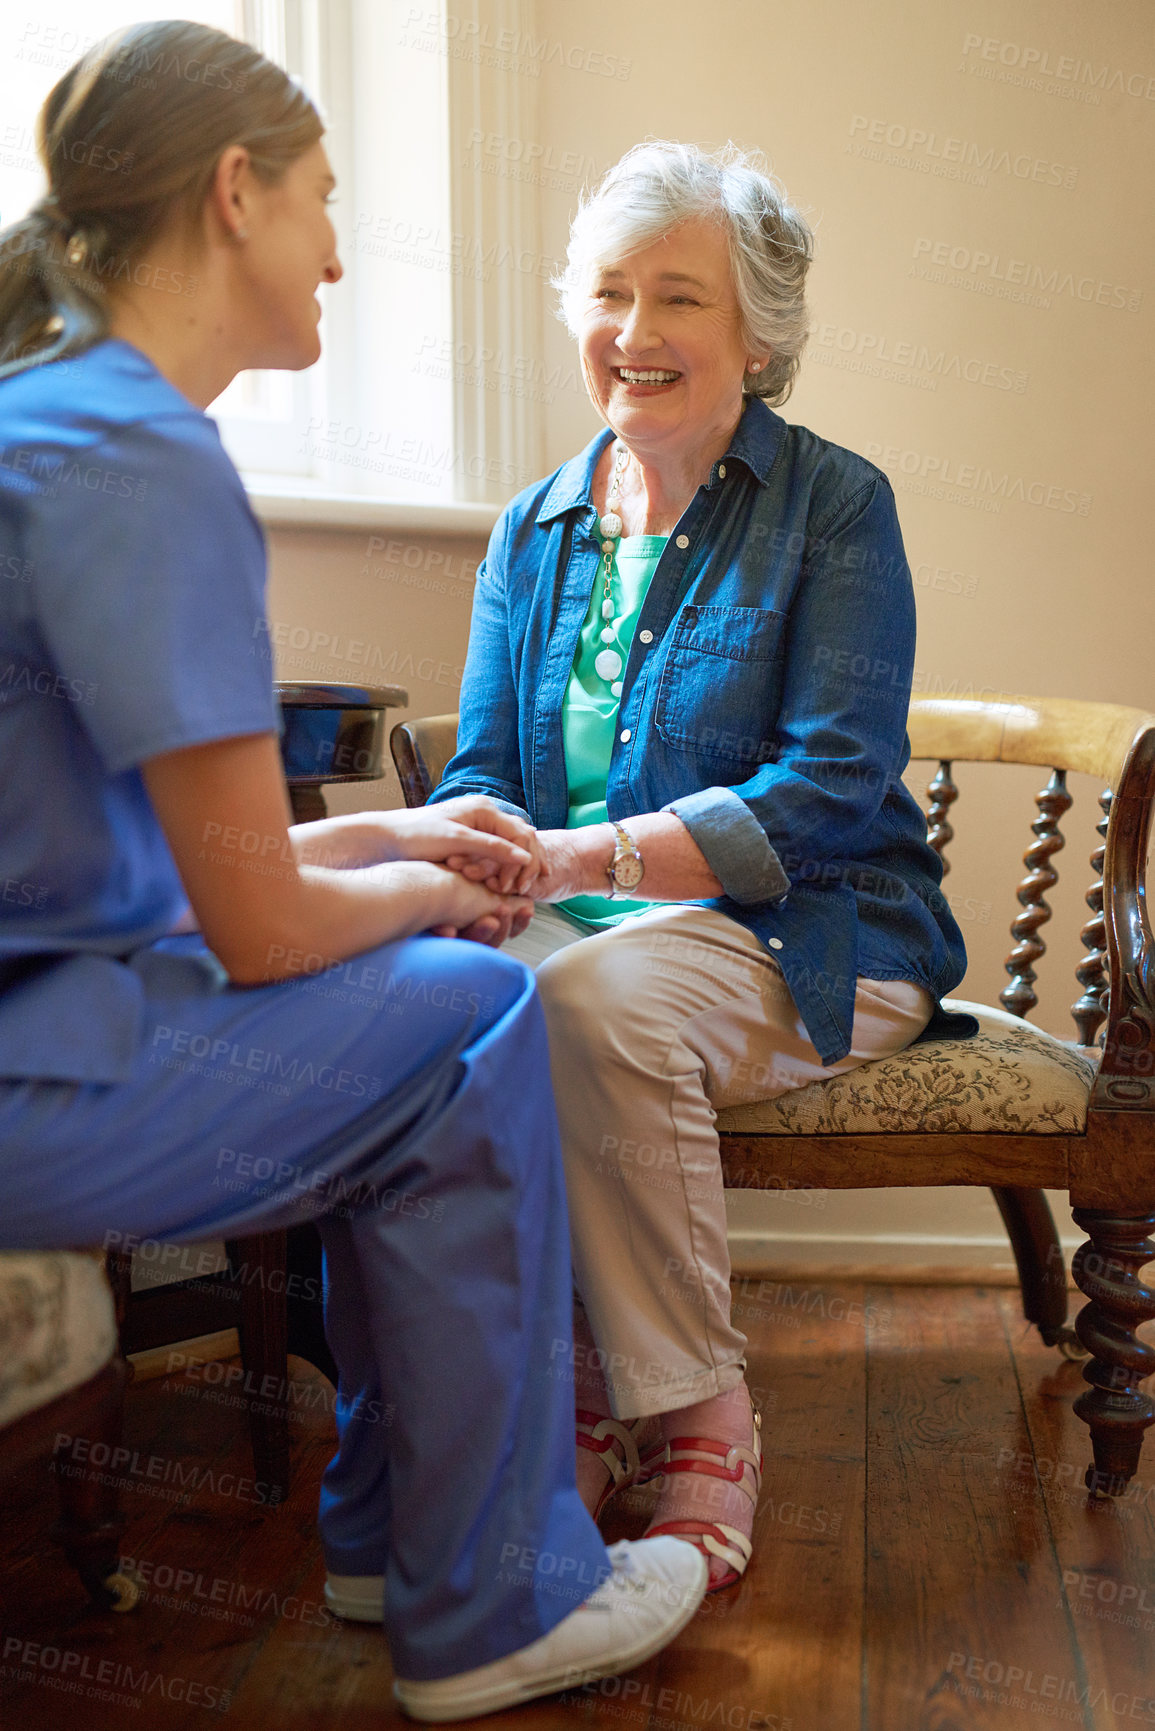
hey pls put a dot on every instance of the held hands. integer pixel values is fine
(573, 862)
(492, 856)
(461, 909)
(485, 845)
(498, 860)
(493, 849)
(471, 860)
(562, 862)
(562, 866)
(470, 835)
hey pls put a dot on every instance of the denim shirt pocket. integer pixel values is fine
(721, 683)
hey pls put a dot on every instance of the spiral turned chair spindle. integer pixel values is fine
(1020, 997)
(1090, 1010)
(1026, 1213)
(942, 794)
(1107, 1270)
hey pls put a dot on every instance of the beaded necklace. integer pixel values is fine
(608, 662)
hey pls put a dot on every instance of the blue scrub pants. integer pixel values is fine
(403, 1102)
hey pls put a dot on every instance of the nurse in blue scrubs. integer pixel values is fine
(211, 1020)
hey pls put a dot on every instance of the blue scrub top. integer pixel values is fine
(132, 622)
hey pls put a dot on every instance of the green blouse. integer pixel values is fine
(589, 713)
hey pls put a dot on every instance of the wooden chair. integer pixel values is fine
(249, 1294)
(332, 733)
(1014, 1108)
(62, 1384)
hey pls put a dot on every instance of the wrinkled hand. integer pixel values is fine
(479, 811)
(565, 868)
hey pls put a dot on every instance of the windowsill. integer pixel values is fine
(298, 507)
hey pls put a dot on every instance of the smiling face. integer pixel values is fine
(290, 248)
(660, 343)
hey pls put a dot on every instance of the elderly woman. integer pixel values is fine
(689, 670)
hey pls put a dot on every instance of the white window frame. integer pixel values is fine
(504, 315)
(265, 417)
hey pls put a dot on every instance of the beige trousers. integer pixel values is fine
(654, 1025)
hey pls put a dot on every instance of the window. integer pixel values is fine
(39, 47)
(374, 423)
(408, 402)
(40, 42)
(402, 405)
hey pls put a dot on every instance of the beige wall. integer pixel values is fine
(979, 177)
(383, 608)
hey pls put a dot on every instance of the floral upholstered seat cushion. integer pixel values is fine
(1009, 1077)
(57, 1326)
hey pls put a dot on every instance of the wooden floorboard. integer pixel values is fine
(786, 1641)
(925, 1558)
(962, 1583)
(1105, 1546)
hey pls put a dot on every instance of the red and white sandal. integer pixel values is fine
(715, 1538)
(631, 1467)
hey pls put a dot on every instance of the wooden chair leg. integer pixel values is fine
(1116, 1408)
(118, 1267)
(258, 1263)
(1041, 1265)
(90, 1520)
(306, 1311)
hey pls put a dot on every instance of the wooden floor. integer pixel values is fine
(925, 1557)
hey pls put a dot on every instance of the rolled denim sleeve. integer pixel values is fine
(488, 755)
(733, 844)
(840, 730)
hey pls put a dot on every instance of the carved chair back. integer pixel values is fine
(1116, 974)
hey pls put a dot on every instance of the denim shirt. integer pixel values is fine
(764, 702)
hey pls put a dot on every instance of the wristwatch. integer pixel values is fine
(625, 871)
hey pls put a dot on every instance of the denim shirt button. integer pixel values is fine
(775, 943)
(624, 735)
(721, 471)
(646, 636)
(682, 541)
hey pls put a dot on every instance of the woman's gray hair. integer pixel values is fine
(659, 184)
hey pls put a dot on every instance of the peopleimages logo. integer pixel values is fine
(991, 273)
(937, 153)
(886, 356)
(507, 49)
(1036, 63)
(977, 480)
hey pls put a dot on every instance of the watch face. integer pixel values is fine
(628, 872)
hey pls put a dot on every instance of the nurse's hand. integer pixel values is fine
(473, 911)
(317, 898)
(470, 835)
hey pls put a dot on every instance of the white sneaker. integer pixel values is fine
(654, 1590)
(357, 1598)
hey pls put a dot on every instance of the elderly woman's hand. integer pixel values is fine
(510, 872)
(471, 835)
(474, 836)
(565, 862)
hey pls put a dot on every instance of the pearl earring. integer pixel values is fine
(240, 234)
(755, 366)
